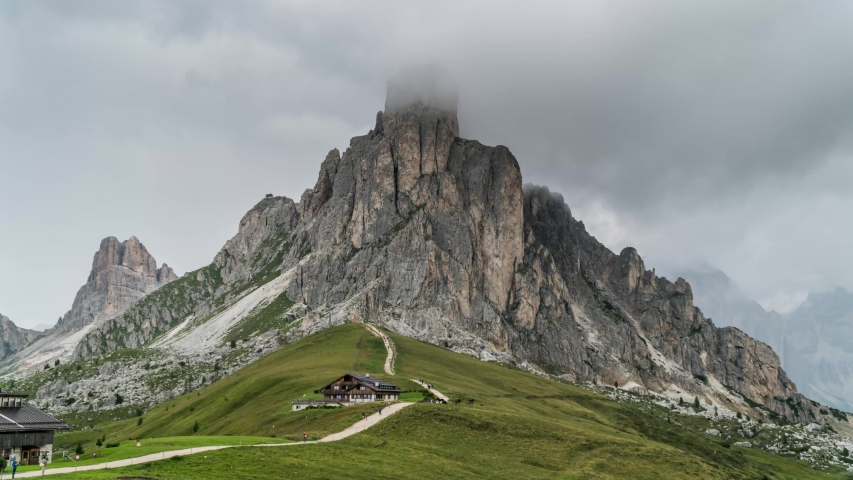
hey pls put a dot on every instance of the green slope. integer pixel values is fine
(521, 425)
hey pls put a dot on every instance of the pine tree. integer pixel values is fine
(56, 363)
(696, 403)
(845, 452)
(680, 402)
(79, 449)
(739, 416)
(139, 422)
(195, 426)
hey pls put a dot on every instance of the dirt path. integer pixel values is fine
(389, 346)
(433, 390)
(357, 427)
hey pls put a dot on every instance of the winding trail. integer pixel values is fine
(433, 390)
(357, 427)
(389, 346)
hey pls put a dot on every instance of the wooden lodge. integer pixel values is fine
(357, 388)
(26, 433)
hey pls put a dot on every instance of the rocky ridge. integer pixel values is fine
(434, 237)
(14, 338)
(122, 274)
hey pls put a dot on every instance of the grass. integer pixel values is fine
(520, 426)
(256, 400)
(128, 448)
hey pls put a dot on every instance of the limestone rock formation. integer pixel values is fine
(14, 338)
(122, 273)
(434, 237)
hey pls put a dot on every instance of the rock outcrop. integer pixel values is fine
(14, 338)
(122, 273)
(434, 237)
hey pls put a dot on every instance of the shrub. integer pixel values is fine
(46, 366)
(56, 363)
(696, 403)
(112, 445)
(119, 399)
(233, 344)
(725, 444)
(845, 452)
(739, 416)
(195, 426)
(138, 412)
(2, 464)
(139, 422)
(79, 449)
(99, 443)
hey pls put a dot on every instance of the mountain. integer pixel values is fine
(435, 237)
(727, 305)
(813, 341)
(14, 338)
(819, 347)
(122, 273)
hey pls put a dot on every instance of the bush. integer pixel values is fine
(119, 399)
(195, 426)
(139, 422)
(2, 464)
(233, 344)
(112, 445)
(79, 449)
(56, 363)
(739, 416)
(138, 412)
(726, 444)
(845, 452)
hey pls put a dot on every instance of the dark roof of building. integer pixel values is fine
(10, 394)
(28, 417)
(374, 382)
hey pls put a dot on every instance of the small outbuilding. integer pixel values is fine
(303, 404)
(358, 388)
(26, 432)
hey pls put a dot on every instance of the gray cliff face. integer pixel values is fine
(813, 341)
(122, 273)
(14, 338)
(434, 237)
(721, 300)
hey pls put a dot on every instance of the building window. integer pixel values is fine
(18, 402)
(361, 387)
(336, 387)
(5, 401)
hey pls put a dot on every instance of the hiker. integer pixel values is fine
(304, 436)
(43, 464)
(380, 410)
(363, 415)
(94, 454)
(137, 443)
(77, 457)
(14, 465)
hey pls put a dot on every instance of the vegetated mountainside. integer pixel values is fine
(520, 426)
(14, 338)
(434, 237)
(122, 273)
(813, 341)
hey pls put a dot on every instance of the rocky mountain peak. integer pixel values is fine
(122, 273)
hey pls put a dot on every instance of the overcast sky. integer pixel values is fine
(715, 132)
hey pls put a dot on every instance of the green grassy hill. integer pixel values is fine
(521, 425)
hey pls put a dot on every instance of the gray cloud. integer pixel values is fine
(714, 131)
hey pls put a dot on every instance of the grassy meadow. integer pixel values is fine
(520, 426)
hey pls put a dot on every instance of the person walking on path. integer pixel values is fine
(380, 410)
(43, 463)
(304, 436)
(14, 466)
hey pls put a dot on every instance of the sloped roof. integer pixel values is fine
(372, 382)
(28, 417)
